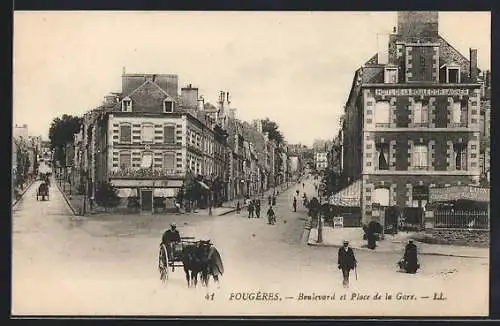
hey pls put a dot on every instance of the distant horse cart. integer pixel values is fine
(42, 191)
(196, 257)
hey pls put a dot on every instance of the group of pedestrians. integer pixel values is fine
(254, 208)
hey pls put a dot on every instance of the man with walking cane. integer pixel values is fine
(346, 262)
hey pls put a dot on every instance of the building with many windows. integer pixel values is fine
(146, 140)
(321, 160)
(412, 119)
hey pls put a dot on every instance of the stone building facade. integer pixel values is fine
(412, 119)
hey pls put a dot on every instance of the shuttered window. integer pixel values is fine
(125, 160)
(125, 133)
(169, 134)
(147, 133)
(169, 162)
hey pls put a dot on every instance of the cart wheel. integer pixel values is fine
(163, 263)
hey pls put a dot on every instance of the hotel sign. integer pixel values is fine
(459, 192)
(421, 92)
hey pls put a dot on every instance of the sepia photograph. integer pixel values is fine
(251, 163)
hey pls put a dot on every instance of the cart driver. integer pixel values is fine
(170, 238)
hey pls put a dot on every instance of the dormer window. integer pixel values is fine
(127, 105)
(391, 75)
(452, 71)
(168, 106)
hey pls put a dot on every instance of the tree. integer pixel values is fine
(272, 128)
(106, 195)
(333, 182)
(179, 197)
(192, 190)
(61, 133)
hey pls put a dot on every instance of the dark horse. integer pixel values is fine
(212, 262)
(192, 261)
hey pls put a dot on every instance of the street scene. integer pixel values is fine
(383, 210)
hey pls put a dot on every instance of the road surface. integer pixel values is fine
(108, 265)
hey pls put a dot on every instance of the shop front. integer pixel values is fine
(148, 195)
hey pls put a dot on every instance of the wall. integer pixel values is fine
(137, 146)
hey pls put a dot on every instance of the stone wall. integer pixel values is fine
(473, 238)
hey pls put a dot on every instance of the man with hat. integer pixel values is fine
(170, 238)
(346, 262)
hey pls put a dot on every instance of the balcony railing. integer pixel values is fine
(145, 173)
(458, 125)
(382, 125)
(421, 125)
(420, 167)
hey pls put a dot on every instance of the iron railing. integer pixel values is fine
(461, 219)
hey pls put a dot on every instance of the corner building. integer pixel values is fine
(417, 105)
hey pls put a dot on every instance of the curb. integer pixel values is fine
(22, 194)
(66, 199)
(393, 251)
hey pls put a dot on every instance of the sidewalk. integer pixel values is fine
(230, 206)
(395, 244)
(27, 185)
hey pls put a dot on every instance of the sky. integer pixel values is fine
(294, 67)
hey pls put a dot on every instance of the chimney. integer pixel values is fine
(201, 103)
(473, 72)
(124, 71)
(189, 97)
(418, 23)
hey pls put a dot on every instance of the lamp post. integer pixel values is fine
(320, 223)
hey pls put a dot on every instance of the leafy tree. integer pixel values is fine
(106, 195)
(61, 132)
(272, 128)
(192, 190)
(314, 207)
(179, 197)
(333, 182)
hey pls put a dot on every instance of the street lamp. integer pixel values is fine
(320, 223)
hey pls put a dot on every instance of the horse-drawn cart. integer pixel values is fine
(43, 191)
(175, 260)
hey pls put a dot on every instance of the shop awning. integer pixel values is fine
(204, 185)
(164, 192)
(455, 193)
(349, 196)
(127, 192)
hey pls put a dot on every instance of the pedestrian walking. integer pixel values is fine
(250, 209)
(297, 191)
(303, 185)
(346, 261)
(257, 209)
(295, 204)
(238, 207)
(269, 199)
(271, 217)
(274, 201)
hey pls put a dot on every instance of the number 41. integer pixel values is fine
(209, 296)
